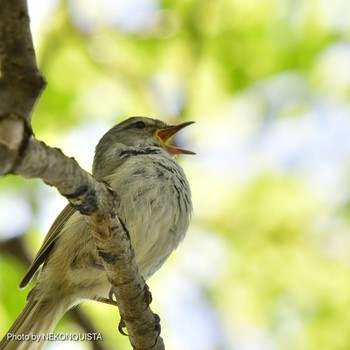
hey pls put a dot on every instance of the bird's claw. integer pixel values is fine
(121, 327)
(112, 296)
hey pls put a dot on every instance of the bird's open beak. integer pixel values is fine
(164, 134)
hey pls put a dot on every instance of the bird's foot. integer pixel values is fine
(122, 326)
(108, 301)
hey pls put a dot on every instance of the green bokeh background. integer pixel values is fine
(266, 261)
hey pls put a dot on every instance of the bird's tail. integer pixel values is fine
(33, 326)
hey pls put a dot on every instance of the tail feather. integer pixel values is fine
(37, 319)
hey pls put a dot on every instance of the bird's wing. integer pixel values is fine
(48, 243)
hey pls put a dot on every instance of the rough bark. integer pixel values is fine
(21, 84)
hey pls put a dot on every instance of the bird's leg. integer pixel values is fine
(113, 300)
(103, 300)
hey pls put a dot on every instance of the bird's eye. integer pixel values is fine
(139, 125)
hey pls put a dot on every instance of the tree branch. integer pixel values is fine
(20, 86)
(21, 82)
(84, 193)
(131, 292)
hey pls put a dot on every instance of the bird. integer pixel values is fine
(136, 160)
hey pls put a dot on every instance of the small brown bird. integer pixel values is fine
(135, 159)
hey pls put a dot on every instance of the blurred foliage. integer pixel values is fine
(267, 253)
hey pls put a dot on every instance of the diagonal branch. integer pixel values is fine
(20, 86)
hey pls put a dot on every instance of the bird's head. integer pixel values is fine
(146, 132)
(134, 133)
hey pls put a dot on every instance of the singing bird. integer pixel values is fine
(135, 159)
